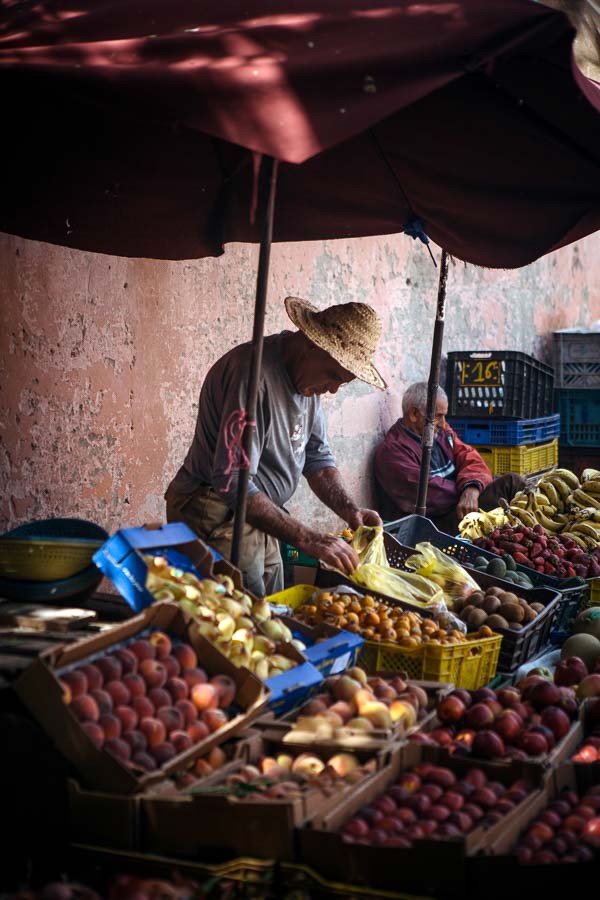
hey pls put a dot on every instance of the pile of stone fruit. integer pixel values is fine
(354, 703)
(243, 629)
(430, 801)
(558, 555)
(567, 831)
(376, 620)
(287, 776)
(510, 723)
(147, 702)
(496, 609)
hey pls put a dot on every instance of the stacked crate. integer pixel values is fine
(577, 382)
(502, 402)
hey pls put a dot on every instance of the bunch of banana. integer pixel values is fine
(585, 532)
(546, 504)
(479, 524)
(590, 475)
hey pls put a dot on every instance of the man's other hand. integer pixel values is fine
(360, 517)
(469, 502)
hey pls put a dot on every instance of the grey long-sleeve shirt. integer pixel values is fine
(290, 438)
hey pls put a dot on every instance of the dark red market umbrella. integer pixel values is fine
(130, 125)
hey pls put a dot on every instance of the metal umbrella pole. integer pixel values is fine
(432, 386)
(267, 185)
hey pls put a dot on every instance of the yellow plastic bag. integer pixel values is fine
(441, 569)
(405, 586)
(367, 542)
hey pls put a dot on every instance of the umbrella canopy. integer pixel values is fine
(134, 127)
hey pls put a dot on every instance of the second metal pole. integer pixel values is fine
(432, 387)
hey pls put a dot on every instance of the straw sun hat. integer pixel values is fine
(348, 332)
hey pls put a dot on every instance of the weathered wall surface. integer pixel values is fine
(101, 358)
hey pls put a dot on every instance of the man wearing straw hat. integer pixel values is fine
(332, 347)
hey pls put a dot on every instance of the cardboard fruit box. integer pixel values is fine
(192, 822)
(40, 690)
(429, 864)
(121, 559)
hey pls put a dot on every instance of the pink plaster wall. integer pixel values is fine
(101, 358)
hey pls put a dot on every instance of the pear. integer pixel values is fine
(286, 634)
(192, 593)
(226, 626)
(209, 630)
(261, 611)
(245, 622)
(274, 629)
(243, 636)
(282, 662)
(232, 607)
(239, 654)
(227, 582)
(264, 644)
(298, 645)
(186, 605)
(261, 668)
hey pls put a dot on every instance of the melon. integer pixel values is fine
(586, 646)
(588, 622)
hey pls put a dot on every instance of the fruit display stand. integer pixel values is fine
(121, 559)
(414, 529)
(428, 865)
(41, 691)
(201, 819)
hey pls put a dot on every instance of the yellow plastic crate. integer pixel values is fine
(294, 596)
(523, 460)
(468, 665)
(594, 592)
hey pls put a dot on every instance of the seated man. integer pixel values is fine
(459, 480)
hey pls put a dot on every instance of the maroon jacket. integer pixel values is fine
(398, 463)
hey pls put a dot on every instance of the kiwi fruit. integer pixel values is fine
(512, 612)
(529, 616)
(466, 610)
(539, 607)
(508, 597)
(495, 590)
(476, 598)
(515, 626)
(476, 618)
(491, 603)
(496, 621)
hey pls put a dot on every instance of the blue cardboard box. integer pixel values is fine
(329, 649)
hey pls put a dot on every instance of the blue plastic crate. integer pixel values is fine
(506, 432)
(293, 687)
(121, 558)
(580, 418)
(330, 655)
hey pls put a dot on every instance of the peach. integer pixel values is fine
(111, 725)
(94, 676)
(343, 763)
(476, 777)
(66, 692)
(128, 660)
(453, 800)
(162, 643)
(135, 684)
(442, 776)
(143, 760)
(541, 830)
(410, 781)
(180, 740)
(204, 696)
(103, 699)
(484, 797)
(163, 752)
(171, 718)
(198, 731)
(202, 768)
(128, 717)
(194, 676)
(76, 681)
(188, 710)
(177, 688)
(143, 649)
(472, 810)
(462, 820)
(226, 687)
(118, 691)
(214, 718)
(315, 707)
(118, 748)
(143, 707)
(153, 672)
(159, 697)
(85, 708)
(94, 732)
(342, 709)
(110, 666)
(217, 757)
(172, 666)
(153, 730)
(136, 740)
(186, 656)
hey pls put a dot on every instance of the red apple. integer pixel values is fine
(556, 720)
(451, 709)
(508, 725)
(570, 671)
(488, 745)
(479, 716)
(545, 694)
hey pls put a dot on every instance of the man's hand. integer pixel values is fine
(359, 517)
(469, 502)
(331, 550)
